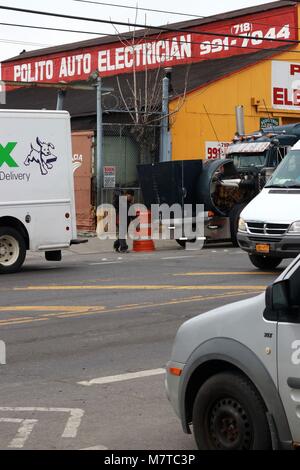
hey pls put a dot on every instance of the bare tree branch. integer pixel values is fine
(145, 93)
(123, 99)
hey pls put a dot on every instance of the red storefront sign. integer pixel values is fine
(285, 85)
(243, 35)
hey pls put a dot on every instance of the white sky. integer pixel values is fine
(26, 37)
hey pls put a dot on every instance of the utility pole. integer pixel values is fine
(240, 120)
(95, 77)
(99, 157)
(60, 99)
(164, 135)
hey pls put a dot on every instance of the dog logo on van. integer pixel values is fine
(43, 156)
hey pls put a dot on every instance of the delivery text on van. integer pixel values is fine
(11, 176)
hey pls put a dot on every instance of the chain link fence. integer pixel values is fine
(107, 195)
(125, 146)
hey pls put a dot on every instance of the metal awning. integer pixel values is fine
(252, 147)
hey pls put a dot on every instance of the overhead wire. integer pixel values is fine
(128, 7)
(152, 10)
(143, 26)
(129, 34)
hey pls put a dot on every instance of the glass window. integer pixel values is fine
(246, 161)
(287, 174)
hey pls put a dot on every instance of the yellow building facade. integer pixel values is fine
(207, 115)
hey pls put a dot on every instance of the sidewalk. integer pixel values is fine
(95, 245)
(105, 247)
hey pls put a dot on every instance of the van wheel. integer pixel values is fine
(265, 262)
(230, 415)
(234, 217)
(12, 250)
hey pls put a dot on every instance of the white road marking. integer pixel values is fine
(2, 353)
(97, 448)
(72, 425)
(23, 433)
(177, 257)
(104, 264)
(48, 268)
(123, 377)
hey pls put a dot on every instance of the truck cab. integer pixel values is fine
(263, 150)
(234, 374)
(259, 154)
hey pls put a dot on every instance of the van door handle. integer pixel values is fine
(294, 383)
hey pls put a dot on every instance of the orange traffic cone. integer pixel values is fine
(145, 243)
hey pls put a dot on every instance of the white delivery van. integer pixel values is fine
(269, 227)
(37, 207)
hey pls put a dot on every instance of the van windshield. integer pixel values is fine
(287, 174)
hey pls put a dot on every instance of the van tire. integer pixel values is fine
(265, 262)
(12, 250)
(229, 414)
(234, 217)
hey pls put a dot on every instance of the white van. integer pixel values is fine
(37, 207)
(269, 227)
(234, 373)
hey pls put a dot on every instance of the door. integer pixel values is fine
(83, 172)
(289, 352)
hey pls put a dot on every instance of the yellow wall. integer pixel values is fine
(191, 127)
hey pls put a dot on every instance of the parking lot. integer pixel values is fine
(88, 339)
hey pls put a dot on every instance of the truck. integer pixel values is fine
(269, 227)
(225, 187)
(37, 203)
(234, 373)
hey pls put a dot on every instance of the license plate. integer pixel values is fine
(263, 248)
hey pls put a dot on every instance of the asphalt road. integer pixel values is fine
(91, 318)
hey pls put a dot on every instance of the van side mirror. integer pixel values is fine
(277, 296)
